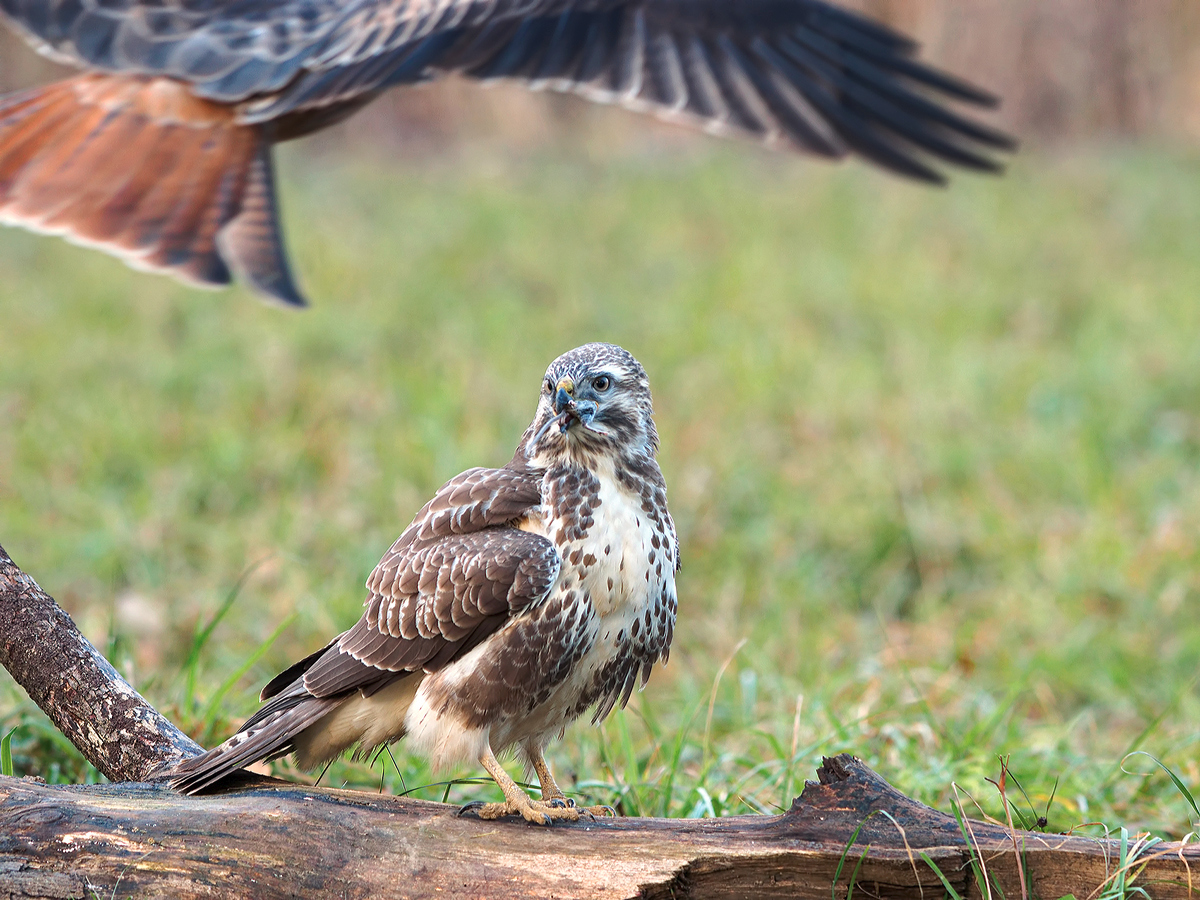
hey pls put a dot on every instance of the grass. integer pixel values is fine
(933, 456)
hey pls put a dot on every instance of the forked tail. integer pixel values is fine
(142, 169)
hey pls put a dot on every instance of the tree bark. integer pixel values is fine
(288, 841)
(849, 832)
(113, 726)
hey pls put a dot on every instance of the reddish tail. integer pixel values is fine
(146, 171)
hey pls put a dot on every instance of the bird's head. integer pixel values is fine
(595, 401)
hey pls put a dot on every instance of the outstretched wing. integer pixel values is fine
(804, 72)
(801, 72)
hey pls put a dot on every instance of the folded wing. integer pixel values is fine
(455, 576)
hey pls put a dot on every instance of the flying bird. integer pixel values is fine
(516, 600)
(160, 152)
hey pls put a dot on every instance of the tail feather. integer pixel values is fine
(69, 193)
(315, 729)
(196, 213)
(292, 673)
(252, 241)
(142, 169)
(269, 737)
(140, 212)
(61, 171)
(122, 190)
(48, 139)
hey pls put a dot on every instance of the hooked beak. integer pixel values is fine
(569, 410)
(564, 396)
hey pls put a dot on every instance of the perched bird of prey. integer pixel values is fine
(161, 151)
(516, 600)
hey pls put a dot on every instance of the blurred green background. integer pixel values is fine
(932, 454)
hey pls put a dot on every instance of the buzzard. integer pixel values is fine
(516, 600)
(160, 151)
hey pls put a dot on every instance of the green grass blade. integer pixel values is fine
(6, 760)
(1175, 779)
(633, 772)
(214, 702)
(862, 857)
(192, 662)
(846, 852)
(981, 878)
(954, 895)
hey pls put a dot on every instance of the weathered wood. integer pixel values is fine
(271, 839)
(277, 840)
(113, 726)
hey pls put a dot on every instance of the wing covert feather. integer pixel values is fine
(803, 72)
(234, 49)
(799, 72)
(455, 575)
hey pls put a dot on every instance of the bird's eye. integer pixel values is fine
(549, 386)
(602, 383)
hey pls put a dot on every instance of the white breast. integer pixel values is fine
(628, 570)
(630, 586)
(627, 585)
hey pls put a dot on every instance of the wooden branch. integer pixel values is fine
(113, 726)
(271, 839)
(288, 841)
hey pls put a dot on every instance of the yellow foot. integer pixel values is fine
(562, 800)
(534, 811)
(595, 811)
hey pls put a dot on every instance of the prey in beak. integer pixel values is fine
(571, 410)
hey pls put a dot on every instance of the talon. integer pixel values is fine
(473, 807)
(553, 806)
(533, 811)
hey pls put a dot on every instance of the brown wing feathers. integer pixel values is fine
(472, 500)
(457, 574)
(433, 604)
(141, 168)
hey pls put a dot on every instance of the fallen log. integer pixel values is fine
(848, 833)
(276, 840)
